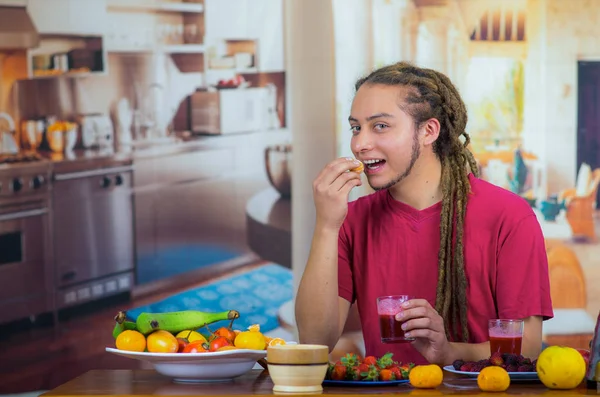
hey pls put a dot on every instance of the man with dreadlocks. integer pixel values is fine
(468, 251)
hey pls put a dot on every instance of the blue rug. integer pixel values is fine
(180, 259)
(257, 294)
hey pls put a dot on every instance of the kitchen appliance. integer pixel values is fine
(278, 164)
(93, 234)
(17, 30)
(32, 134)
(227, 111)
(96, 131)
(8, 144)
(26, 282)
(592, 376)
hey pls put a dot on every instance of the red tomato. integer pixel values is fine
(196, 346)
(226, 333)
(182, 344)
(219, 342)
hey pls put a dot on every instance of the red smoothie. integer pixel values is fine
(506, 344)
(391, 329)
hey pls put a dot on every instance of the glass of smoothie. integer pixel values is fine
(391, 329)
(505, 335)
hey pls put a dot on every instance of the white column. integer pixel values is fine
(310, 70)
(432, 38)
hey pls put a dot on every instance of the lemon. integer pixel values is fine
(251, 339)
(560, 367)
(191, 336)
(493, 379)
(131, 340)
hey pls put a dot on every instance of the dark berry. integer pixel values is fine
(457, 364)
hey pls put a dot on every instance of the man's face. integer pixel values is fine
(384, 137)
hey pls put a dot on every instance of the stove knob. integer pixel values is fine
(37, 181)
(17, 184)
(105, 182)
(118, 180)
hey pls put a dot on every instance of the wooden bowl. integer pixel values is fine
(298, 368)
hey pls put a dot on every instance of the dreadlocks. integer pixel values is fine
(432, 95)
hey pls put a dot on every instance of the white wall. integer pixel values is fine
(572, 33)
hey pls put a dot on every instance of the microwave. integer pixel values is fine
(229, 111)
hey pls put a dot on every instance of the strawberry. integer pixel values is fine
(370, 360)
(350, 360)
(339, 372)
(386, 361)
(363, 370)
(372, 374)
(329, 371)
(354, 373)
(386, 375)
(405, 369)
(397, 372)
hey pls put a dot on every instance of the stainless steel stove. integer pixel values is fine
(26, 283)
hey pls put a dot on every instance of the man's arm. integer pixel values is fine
(317, 301)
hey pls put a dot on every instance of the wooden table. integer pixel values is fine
(258, 382)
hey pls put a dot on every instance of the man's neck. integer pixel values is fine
(422, 188)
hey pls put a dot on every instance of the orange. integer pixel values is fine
(426, 376)
(222, 348)
(162, 342)
(276, 341)
(493, 378)
(560, 367)
(131, 340)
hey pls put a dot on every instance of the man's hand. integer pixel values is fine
(422, 322)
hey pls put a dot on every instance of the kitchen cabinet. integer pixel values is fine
(265, 22)
(184, 213)
(13, 3)
(245, 20)
(190, 209)
(68, 17)
(226, 19)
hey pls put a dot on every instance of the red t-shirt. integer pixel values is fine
(387, 247)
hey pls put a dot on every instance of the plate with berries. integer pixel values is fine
(517, 366)
(352, 370)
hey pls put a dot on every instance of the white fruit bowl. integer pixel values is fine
(198, 367)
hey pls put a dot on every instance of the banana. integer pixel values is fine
(122, 324)
(175, 322)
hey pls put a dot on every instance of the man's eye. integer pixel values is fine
(354, 129)
(380, 126)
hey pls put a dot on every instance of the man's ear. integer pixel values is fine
(430, 131)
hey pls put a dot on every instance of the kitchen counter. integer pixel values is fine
(85, 160)
(258, 382)
(89, 159)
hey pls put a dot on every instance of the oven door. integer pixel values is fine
(24, 265)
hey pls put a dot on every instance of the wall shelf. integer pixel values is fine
(182, 48)
(161, 6)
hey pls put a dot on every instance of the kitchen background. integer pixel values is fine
(147, 153)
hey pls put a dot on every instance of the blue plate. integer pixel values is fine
(363, 382)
